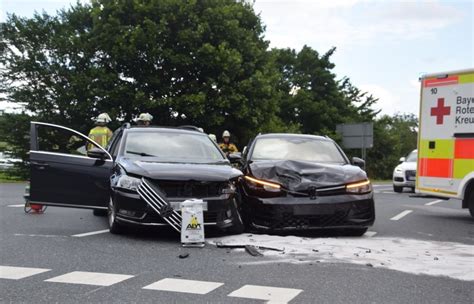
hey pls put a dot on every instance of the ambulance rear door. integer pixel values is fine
(446, 134)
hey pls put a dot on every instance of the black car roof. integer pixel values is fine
(290, 135)
(140, 129)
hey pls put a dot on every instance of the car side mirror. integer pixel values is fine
(235, 157)
(402, 159)
(96, 153)
(359, 162)
(244, 151)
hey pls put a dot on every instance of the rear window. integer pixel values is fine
(297, 148)
(172, 147)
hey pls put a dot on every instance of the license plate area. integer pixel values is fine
(177, 205)
(314, 209)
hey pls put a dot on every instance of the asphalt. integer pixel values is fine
(149, 255)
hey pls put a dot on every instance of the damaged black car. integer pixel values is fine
(141, 178)
(296, 182)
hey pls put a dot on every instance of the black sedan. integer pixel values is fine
(140, 178)
(295, 182)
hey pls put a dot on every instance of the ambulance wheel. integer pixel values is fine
(99, 212)
(114, 226)
(470, 201)
(397, 189)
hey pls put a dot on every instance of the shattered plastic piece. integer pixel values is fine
(184, 255)
(252, 250)
(222, 245)
(370, 265)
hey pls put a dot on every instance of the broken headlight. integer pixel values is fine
(261, 184)
(128, 182)
(361, 187)
(229, 189)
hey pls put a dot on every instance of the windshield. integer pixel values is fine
(412, 157)
(297, 148)
(172, 147)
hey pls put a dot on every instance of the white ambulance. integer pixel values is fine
(445, 166)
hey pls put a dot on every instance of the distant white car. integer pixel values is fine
(7, 162)
(404, 175)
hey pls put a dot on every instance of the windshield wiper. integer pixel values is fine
(141, 153)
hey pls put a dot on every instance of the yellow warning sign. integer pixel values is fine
(193, 223)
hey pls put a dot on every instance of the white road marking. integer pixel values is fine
(16, 273)
(39, 235)
(16, 206)
(90, 233)
(186, 286)
(434, 202)
(90, 278)
(401, 215)
(267, 293)
(370, 233)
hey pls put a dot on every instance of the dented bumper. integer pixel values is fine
(300, 213)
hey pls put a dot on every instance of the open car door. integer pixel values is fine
(62, 173)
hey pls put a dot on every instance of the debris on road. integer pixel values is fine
(242, 246)
(183, 255)
(252, 250)
(401, 254)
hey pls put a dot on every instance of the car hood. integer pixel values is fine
(407, 166)
(300, 175)
(180, 171)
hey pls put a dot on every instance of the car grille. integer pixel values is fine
(280, 217)
(410, 173)
(190, 189)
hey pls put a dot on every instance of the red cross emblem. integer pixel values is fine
(440, 111)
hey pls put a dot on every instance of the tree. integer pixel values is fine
(185, 62)
(394, 136)
(312, 98)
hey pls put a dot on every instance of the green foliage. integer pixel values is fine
(14, 130)
(394, 137)
(311, 97)
(199, 62)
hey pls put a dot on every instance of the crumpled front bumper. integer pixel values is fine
(131, 209)
(300, 213)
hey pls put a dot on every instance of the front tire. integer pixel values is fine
(99, 212)
(114, 226)
(397, 189)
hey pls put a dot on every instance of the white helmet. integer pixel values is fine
(213, 137)
(145, 117)
(103, 117)
(226, 134)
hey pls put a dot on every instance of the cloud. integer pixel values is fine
(353, 22)
(388, 101)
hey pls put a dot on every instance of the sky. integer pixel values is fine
(382, 46)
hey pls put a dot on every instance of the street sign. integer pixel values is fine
(357, 135)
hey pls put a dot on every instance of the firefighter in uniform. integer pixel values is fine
(101, 134)
(144, 119)
(226, 146)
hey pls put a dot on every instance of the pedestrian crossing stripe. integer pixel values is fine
(267, 293)
(17, 273)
